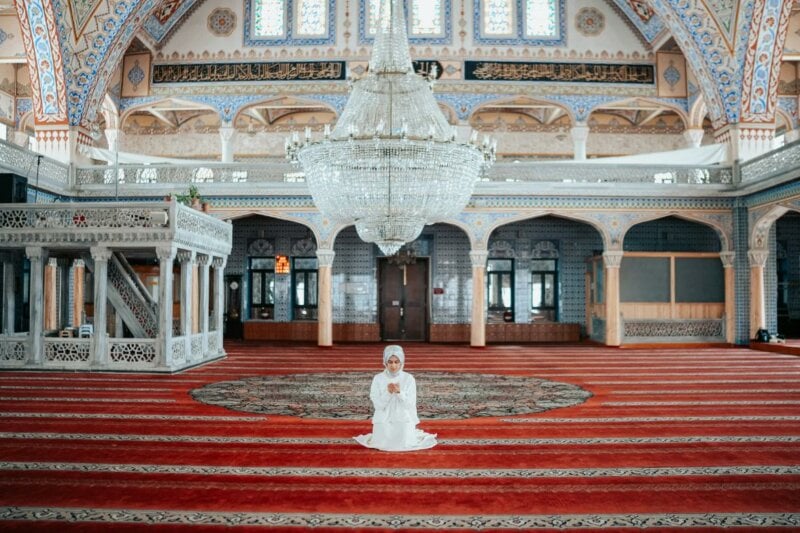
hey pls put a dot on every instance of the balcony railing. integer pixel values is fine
(783, 163)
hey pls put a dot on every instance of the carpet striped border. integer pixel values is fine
(114, 416)
(587, 521)
(446, 442)
(525, 473)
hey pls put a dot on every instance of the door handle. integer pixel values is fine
(401, 311)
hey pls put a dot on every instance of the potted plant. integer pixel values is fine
(192, 197)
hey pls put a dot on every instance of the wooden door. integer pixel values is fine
(403, 300)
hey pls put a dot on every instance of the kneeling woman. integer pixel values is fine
(394, 398)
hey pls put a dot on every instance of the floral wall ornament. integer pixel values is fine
(590, 21)
(136, 75)
(222, 22)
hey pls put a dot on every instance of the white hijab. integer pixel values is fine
(397, 351)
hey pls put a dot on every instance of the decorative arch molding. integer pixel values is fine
(277, 98)
(704, 46)
(697, 113)
(596, 221)
(110, 112)
(676, 105)
(323, 229)
(129, 107)
(720, 222)
(515, 99)
(37, 21)
(768, 29)
(763, 218)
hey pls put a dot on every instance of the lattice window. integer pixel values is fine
(519, 22)
(541, 18)
(498, 18)
(427, 17)
(312, 16)
(269, 18)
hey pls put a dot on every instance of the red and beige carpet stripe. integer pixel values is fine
(702, 439)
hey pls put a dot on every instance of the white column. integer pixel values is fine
(227, 136)
(186, 259)
(728, 259)
(51, 295)
(694, 137)
(9, 296)
(100, 257)
(36, 297)
(166, 256)
(325, 297)
(204, 262)
(758, 313)
(478, 327)
(612, 260)
(219, 297)
(579, 132)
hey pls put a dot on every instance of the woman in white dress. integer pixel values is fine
(394, 398)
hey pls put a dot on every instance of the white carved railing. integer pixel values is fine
(33, 166)
(126, 223)
(532, 171)
(142, 313)
(214, 342)
(783, 162)
(271, 171)
(133, 353)
(138, 178)
(178, 350)
(71, 352)
(14, 349)
(196, 347)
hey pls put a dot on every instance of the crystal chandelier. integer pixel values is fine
(392, 163)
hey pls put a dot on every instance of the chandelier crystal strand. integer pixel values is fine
(392, 163)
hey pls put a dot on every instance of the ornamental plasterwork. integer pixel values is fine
(762, 218)
(760, 82)
(479, 226)
(721, 222)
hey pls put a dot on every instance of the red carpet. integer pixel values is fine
(693, 439)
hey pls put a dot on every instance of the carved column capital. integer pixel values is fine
(613, 259)
(185, 256)
(78, 263)
(325, 257)
(478, 258)
(758, 258)
(35, 252)
(165, 253)
(219, 262)
(727, 259)
(52, 262)
(100, 253)
(203, 259)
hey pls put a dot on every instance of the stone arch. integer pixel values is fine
(251, 109)
(644, 104)
(763, 223)
(697, 113)
(723, 233)
(588, 220)
(110, 112)
(526, 101)
(154, 104)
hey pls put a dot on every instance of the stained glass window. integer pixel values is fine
(269, 18)
(426, 17)
(498, 17)
(312, 17)
(541, 18)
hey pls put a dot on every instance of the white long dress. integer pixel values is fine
(394, 422)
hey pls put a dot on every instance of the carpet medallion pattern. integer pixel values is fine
(440, 395)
